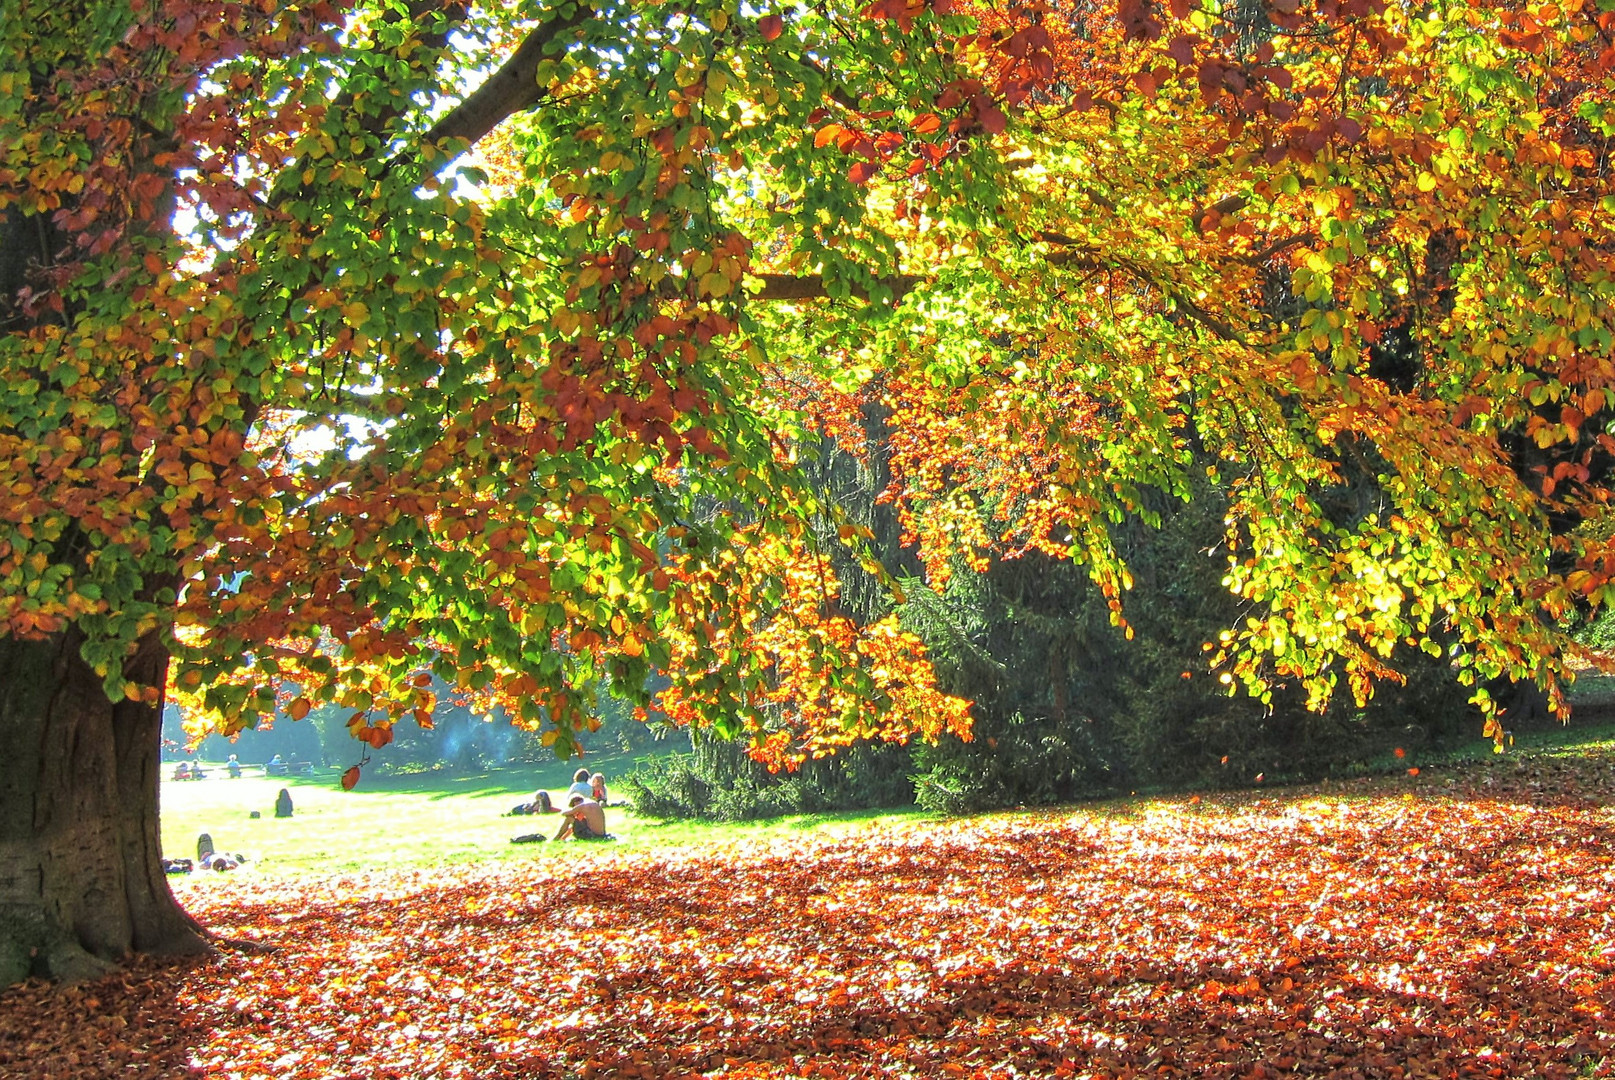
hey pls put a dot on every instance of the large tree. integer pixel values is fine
(346, 345)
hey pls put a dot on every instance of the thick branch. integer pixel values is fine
(1233, 204)
(811, 286)
(1257, 258)
(511, 89)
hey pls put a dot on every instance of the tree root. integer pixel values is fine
(245, 945)
(67, 962)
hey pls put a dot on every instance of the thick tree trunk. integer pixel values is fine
(81, 877)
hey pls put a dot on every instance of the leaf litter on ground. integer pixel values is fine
(1459, 924)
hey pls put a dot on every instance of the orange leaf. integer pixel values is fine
(350, 778)
(770, 26)
(827, 135)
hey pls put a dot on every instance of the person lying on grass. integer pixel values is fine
(583, 818)
(540, 805)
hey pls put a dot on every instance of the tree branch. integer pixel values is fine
(1086, 258)
(1233, 204)
(1257, 258)
(811, 286)
(513, 88)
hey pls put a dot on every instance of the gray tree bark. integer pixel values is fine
(81, 878)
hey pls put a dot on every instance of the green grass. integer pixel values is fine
(417, 820)
(1572, 739)
(432, 819)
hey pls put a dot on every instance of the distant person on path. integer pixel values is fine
(283, 803)
(234, 766)
(182, 771)
(580, 785)
(583, 819)
(597, 789)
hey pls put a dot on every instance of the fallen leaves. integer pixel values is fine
(1341, 934)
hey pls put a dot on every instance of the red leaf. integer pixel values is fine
(861, 172)
(925, 123)
(350, 778)
(770, 26)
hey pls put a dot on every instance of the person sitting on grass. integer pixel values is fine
(583, 819)
(580, 785)
(597, 789)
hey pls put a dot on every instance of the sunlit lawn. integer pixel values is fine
(434, 819)
(406, 821)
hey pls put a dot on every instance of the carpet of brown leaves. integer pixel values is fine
(1452, 925)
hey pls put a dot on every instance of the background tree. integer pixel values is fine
(299, 390)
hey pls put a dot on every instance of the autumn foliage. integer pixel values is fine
(365, 344)
(1453, 925)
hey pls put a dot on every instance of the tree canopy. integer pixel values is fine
(349, 344)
